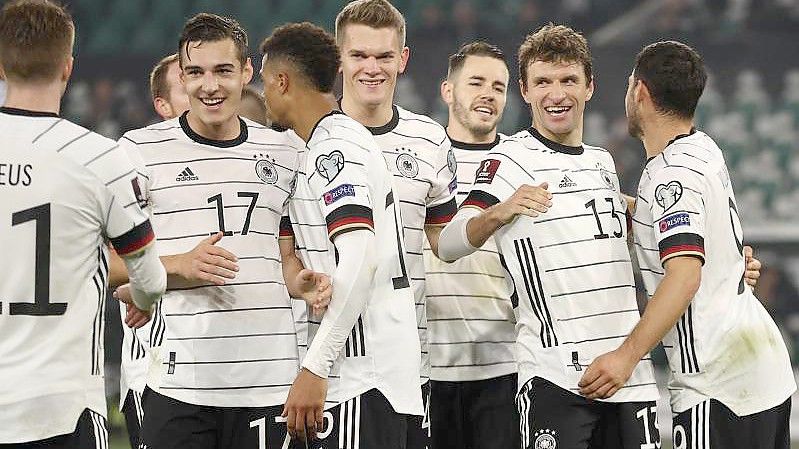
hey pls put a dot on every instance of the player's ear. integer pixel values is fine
(247, 70)
(523, 91)
(590, 89)
(162, 107)
(68, 65)
(446, 92)
(405, 54)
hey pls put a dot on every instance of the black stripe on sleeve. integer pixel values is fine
(134, 240)
(684, 244)
(480, 199)
(442, 213)
(285, 227)
(348, 218)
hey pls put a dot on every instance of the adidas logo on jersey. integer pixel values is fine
(566, 182)
(187, 175)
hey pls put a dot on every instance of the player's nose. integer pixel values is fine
(210, 83)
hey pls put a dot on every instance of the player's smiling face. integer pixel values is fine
(479, 93)
(214, 78)
(557, 93)
(371, 60)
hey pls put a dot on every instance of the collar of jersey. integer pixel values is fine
(26, 112)
(676, 138)
(313, 130)
(184, 124)
(554, 146)
(388, 127)
(473, 146)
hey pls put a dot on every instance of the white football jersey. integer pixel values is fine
(471, 326)
(134, 358)
(574, 291)
(233, 345)
(725, 346)
(418, 154)
(344, 185)
(64, 191)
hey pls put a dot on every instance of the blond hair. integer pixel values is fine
(372, 13)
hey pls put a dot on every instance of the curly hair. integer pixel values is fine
(555, 43)
(309, 48)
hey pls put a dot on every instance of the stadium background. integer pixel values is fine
(751, 105)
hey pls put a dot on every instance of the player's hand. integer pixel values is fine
(527, 200)
(316, 289)
(207, 263)
(607, 374)
(305, 406)
(135, 317)
(753, 266)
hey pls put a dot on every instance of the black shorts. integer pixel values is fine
(553, 417)
(172, 424)
(419, 426)
(366, 421)
(134, 414)
(478, 414)
(711, 424)
(91, 432)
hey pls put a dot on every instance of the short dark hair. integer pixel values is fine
(213, 28)
(36, 39)
(309, 48)
(158, 84)
(477, 48)
(555, 44)
(675, 75)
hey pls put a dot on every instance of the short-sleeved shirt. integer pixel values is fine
(574, 291)
(417, 151)
(471, 326)
(725, 346)
(232, 345)
(344, 185)
(64, 191)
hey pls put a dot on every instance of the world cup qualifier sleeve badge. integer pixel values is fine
(330, 165)
(667, 195)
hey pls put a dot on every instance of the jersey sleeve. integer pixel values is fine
(339, 182)
(497, 178)
(122, 199)
(441, 204)
(678, 212)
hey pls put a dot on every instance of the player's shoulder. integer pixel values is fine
(159, 132)
(514, 145)
(73, 141)
(697, 149)
(258, 134)
(419, 124)
(341, 130)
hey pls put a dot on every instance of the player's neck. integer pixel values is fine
(368, 115)
(310, 109)
(662, 130)
(456, 131)
(227, 130)
(39, 97)
(573, 138)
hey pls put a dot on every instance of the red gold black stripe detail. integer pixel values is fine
(441, 214)
(134, 240)
(349, 218)
(686, 244)
(285, 227)
(479, 199)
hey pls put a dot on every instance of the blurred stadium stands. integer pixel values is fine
(751, 105)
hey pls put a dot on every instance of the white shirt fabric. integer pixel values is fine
(725, 346)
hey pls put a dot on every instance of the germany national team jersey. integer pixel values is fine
(344, 185)
(574, 291)
(419, 156)
(64, 191)
(471, 327)
(133, 358)
(233, 345)
(725, 346)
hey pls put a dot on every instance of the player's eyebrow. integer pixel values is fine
(477, 78)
